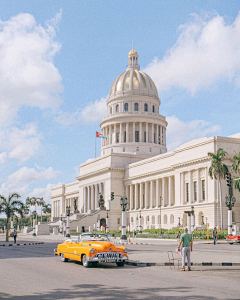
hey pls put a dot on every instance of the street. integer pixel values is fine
(33, 272)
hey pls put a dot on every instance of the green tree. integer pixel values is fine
(218, 170)
(10, 206)
(40, 202)
(46, 208)
(236, 169)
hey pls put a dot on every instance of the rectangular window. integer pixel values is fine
(203, 190)
(118, 221)
(195, 191)
(187, 192)
(145, 137)
(137, 136)
(154, 138)
(117, 137)
(125, 136)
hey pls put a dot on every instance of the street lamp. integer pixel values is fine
(61, 225)
(34, 222)
(123, 203)
(107, 221)
(160, 219)
(230, 201)
(68, 214)
(137, 223)
(140, 223)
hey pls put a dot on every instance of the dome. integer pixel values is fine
(133, 81)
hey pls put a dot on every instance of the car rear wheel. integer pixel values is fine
(120, 263)
(85, 262)
(63, 258)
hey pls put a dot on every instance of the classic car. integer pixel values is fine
(233, 238)
(90, 248)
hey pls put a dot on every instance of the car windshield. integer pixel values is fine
(94, 237)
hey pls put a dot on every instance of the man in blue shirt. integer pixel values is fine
(187, 244)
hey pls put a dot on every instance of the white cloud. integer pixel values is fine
(21, 144)
(28, 75)
(207, 51)
(3, 158)
(91, 113)
(179, 132)
(44, 193)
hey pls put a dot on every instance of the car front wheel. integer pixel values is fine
(120, 263)
(63, 258)
(85, 262)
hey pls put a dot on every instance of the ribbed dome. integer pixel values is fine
(133, 81)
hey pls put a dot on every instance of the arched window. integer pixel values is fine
(153, 108)
(145, 107)
(126, 107)
(135, 106)
(117, 108)
(172, 219)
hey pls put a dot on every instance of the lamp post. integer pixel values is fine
(68, 214)
(107, 221)
(123, 203)
(137, 223)
(60, 225)
(160, 219)
(34, 222)
(230, 201)
(140, 223)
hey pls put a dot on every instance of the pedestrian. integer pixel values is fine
(186, 242)
(15, 235)
(215, 235)
(134, 233)
(178, 236)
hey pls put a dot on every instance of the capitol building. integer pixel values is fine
(135, 163)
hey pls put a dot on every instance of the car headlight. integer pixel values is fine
(125, 250)
(92, 250)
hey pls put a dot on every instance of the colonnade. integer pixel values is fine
(130, 132)
(91, 196)
(151, 194)
(194, 186)
(56, 208)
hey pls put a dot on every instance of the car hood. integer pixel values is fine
(101, 246)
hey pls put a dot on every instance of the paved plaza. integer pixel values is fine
(33, 272)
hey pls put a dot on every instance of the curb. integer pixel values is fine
(25, 244)
(205, 264)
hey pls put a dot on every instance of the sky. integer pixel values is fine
(58, 60)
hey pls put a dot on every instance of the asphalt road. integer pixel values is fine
(33, 272)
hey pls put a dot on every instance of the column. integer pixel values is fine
(96, 196)
(146, 194)
(127, 132)
(146, 132)
(141, 195)
(152, 133)
(89, 198)
(110, 134)
(131, 197)
(136, 196)
(170, 190)
(92, 198)
(206, 184)
(198, 185)
(115, 133)
(140, 132)
(190, 187)
(164, 191)
(134, 126)
(182, 188)
(151, 193)
(120, 134)
(157, 193)
(157, 141)
(160, 127)
(85, 200)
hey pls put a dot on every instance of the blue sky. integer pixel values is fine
(58, 60)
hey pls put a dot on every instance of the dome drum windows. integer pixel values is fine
(117, 108)
(153, 109)
(126, 107)
(135, 106)
(145, 107)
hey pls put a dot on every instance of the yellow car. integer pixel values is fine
(92, 248)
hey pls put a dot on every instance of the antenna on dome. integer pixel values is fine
(132, 44)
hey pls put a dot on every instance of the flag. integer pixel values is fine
(98, 134)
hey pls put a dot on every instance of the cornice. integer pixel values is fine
(99, 172)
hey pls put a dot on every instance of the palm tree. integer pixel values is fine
(40, 202)
(236, 169)
(46, 208)
(218, 170)
(10, 206)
